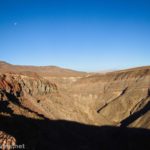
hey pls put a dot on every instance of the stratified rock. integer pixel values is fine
(7, 141)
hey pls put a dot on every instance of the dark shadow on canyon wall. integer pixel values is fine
(127, 121)
(4, 107)
(48, 134)
(66, 135)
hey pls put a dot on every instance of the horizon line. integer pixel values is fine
(63, 67)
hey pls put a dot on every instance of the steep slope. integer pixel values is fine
(34, 96)
(22, 93)
(116, 95)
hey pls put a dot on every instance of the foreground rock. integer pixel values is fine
(7, 142)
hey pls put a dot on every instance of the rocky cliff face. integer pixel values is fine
(19, 85)
(116, 95)
(22, 93)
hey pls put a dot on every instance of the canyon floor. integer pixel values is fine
(60, 109)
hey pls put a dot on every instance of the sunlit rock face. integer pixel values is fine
(93, 99)
(115, 95)
(13, 83)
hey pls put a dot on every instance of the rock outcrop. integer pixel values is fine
(19, 85)
(7, 142)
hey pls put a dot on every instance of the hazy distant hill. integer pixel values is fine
(41, 70)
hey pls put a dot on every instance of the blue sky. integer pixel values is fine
(88, 35)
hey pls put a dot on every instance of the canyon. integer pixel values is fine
(49, 107)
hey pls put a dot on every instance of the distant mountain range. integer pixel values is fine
(41, 70)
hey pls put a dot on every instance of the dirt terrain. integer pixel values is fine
(56, 108)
